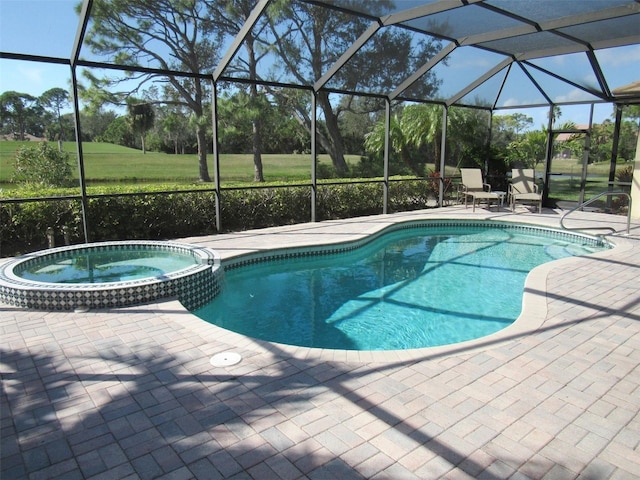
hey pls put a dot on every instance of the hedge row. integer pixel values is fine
(23, 226)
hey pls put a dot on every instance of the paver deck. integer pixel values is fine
(131, 393)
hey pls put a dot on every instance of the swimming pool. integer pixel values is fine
(110, 274)
(106, 265)
(412, 286)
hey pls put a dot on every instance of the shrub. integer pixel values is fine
(623, 175)
(336, 201)
(23, 226)
(116, 214)
(413, 195)
(42, 164)
(151, 216)
(123, 217)
(264, 207)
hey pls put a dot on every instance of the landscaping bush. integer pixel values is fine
(621, 204)
(23, 226)
(414, 194)
(348, 200)
(625, 175)
(115, 213)
(42, 164)
(264, 207)
(151, 217)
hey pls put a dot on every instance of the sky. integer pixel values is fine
(51, 27)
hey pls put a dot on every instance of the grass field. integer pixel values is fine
(110, 164)
(106, 163)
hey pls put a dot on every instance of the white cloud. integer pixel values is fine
(32, 77)
(512, 102)
(32, 74)
(590, 79)
(614, 57)
(575, 95)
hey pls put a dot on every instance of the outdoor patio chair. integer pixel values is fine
(473, 186)
(523, 188)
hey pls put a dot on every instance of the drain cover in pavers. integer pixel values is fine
(225, 359)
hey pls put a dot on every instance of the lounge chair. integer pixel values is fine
(473, 186)
(523, 188)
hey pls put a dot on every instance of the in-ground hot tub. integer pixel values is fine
(110, 274)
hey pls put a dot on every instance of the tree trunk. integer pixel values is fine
(143, 145)
(256, 123)
(337, 144)
(60, 131)
(258, 174)
(302, 117)
(408, 161)
(201, 134)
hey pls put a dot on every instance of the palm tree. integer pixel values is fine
(374, 141)
(141, 119)
(422, 125)
(418, 125)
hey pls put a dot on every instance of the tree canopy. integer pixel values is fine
(57, 99)
(187, 36)
(20, 114)
(170, 35)
(141, 118)
(304, 52)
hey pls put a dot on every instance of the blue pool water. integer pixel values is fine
(411, 288)
(105, 265)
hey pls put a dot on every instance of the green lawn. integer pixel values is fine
(109, 164)
(106, 163)
(571, 166)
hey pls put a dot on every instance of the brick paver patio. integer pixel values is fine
(131, 393)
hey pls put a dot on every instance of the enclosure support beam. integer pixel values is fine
(635, 184)
(614, 147)
(314, 179)
(479, 81)
(614, 151)
(424, 10)
(81, 174)
(586, 150)
(346, 56)
(547, 158)
(387, 135)
(75, 53)
(237, 41)
(82, 29)
(488, 144)
(216, 154)
(443, 155)
(423, 70)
